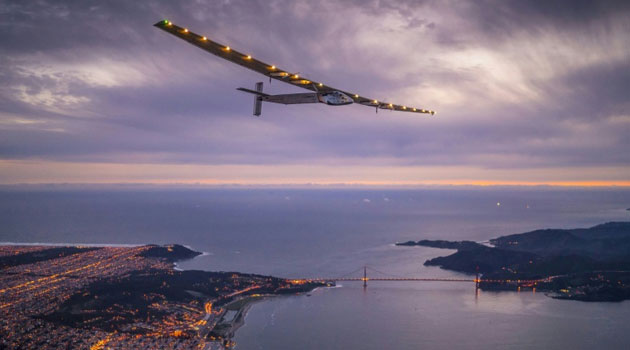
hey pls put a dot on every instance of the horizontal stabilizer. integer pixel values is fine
(252, 92)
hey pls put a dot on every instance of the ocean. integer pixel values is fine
(335, 232)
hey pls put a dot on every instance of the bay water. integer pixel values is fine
(318, 232)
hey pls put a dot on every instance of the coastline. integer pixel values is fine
(96, 245)
(226, 329)
(48, 244)
(222, 338)
(124, 296)
(584, 264)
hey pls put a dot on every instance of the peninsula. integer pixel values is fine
(123, 298)
(588, 264)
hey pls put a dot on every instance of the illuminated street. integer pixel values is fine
(56, 302)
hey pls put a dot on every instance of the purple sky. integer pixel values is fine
(525, 92)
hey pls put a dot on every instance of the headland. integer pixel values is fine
(587, 264)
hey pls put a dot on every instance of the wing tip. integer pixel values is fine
(163, 23)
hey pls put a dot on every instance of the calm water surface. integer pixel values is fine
(330, 233)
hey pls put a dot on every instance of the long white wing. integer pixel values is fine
(272, 71)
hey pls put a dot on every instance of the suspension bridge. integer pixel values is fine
(385, 277)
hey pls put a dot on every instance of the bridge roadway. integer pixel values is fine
(413, 279)
(394, 278)
(360, 279)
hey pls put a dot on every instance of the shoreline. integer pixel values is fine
(583, 264)
(147, 279)
(48, 244)
(99, 245)
(227, 329)
(248, 302)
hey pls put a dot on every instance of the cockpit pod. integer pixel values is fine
(334, 98)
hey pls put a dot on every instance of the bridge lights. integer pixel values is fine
(272, 67)
(185, 30)
(320, 84)
(227, 48)
(204, 38)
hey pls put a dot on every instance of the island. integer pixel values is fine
(587, 264)
(113, 297)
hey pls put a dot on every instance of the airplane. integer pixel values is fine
(321, 93)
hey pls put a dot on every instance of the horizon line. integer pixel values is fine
(331, 184)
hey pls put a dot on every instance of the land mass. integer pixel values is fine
(588, 264)
(123, 297)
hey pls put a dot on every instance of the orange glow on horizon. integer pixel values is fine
(15, 172)
(290, 182)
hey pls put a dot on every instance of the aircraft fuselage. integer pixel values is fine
(330, 97)
(334, 98)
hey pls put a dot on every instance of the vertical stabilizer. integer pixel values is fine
(258, 99)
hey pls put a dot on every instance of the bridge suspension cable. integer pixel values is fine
(393, 277)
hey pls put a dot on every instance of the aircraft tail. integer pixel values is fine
(287, 99)
(258, 98)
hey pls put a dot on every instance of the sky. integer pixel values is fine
(526, 93)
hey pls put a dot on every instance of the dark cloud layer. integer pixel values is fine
(517, 84)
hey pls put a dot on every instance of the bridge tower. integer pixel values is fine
(364, 276)
(477, 279)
